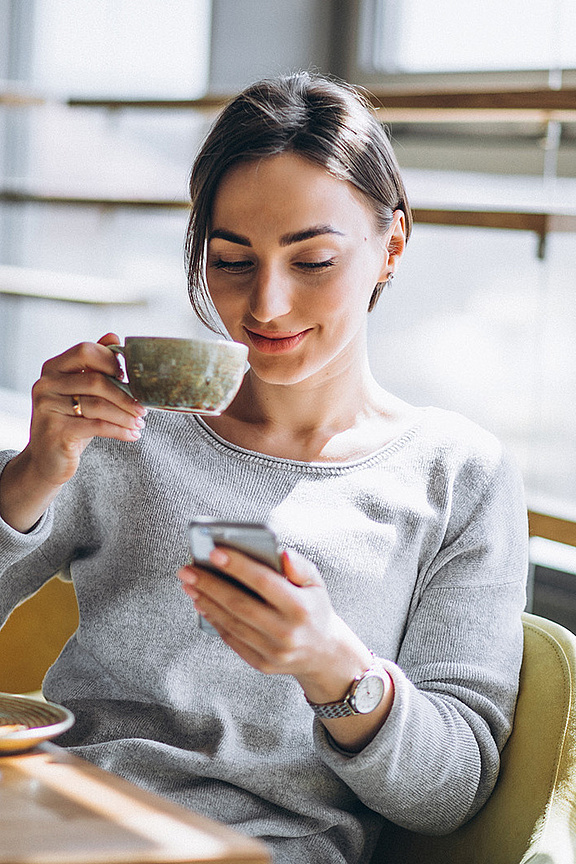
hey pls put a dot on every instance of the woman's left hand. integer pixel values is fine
(292, 630)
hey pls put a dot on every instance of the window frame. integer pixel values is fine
(362, 67)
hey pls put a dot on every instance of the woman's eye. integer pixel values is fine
(315, 265)
(242, 265)
(231, 266)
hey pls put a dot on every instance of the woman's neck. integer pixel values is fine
(328, 420)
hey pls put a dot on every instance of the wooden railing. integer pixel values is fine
(14, 94)
(507, 104)
(517, 99)
(533, 99)
(552, 528)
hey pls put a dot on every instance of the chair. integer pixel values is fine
(34, 635)
(531, 814)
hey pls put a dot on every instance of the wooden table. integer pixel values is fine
(58, 809)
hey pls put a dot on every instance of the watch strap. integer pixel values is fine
(342, 707)
(332, 710)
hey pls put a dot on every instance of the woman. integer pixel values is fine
(379, 678)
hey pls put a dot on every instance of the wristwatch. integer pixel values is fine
(364, 695)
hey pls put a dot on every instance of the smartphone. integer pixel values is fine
(253, 538)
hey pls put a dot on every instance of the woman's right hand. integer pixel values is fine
(58, 435)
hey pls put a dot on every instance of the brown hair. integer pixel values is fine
(325, 121)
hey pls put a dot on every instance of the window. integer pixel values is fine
(451, 36)
(476, 321)
(122, 48)
(114, 48)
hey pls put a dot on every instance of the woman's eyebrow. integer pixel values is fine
(307, 234)
(223, 234)
(285, 240)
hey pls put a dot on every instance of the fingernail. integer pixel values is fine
(135, 434)
(220, 558)
(140, 423)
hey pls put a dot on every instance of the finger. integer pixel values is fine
(259, 578)
(228, 602)
(262, 644)
(299, 570)
(81, 407)
(113, 339)
(98, 386)
(228, 593)
(103, 429)
(234, 639)
(264, 639)
(54, 415)
(84, 356)
(96, 408)
(56, 421)
(109, 339)
(271, 620)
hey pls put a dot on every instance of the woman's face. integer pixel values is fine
(293, 257)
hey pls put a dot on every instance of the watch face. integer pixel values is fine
(368, 694)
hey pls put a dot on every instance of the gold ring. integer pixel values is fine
(76, 406)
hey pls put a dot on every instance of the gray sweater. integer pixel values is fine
(423, 547)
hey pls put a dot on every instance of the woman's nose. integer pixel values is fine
(271, 296)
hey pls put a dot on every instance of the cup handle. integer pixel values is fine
(119, 349)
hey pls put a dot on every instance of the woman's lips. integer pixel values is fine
(275, 343)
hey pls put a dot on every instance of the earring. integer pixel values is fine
(390, 278)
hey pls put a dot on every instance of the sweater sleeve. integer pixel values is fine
(29, 560)
(436, 759)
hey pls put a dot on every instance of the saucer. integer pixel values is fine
(25, 722)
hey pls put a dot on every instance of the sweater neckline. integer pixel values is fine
(394, 445)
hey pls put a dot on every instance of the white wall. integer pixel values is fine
(252, 39)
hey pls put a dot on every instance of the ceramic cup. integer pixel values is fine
(198, 376)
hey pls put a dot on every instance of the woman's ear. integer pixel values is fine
(395, 242)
